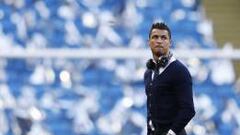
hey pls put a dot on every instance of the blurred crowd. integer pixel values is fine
(104, 96)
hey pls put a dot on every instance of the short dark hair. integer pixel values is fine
(161, 26)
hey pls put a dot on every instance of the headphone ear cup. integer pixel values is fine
(150, 64)
(163, 62)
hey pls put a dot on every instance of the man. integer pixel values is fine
(168, 86)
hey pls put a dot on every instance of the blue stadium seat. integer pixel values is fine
(100, 80)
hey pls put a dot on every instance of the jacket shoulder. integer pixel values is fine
(182, 71)
(181, 67)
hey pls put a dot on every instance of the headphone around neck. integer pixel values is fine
(162, 62)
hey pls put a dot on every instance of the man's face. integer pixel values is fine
(159, 42)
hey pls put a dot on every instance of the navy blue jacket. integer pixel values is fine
(170, 97)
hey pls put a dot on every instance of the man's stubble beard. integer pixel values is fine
(157, 52)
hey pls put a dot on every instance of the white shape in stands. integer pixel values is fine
(197, 69)
(89, 20)
(20, 23)
(72, 36)
(199, 130)
(127, 102)
(106, 32)
(36, 114)
(6, 97)
(205, 107)
(188, 3)
(66, 12)
(37, 41)
(42, 9)
(137, 42)
(3, 120)
(205, 27)
(37, 77)
(178, 15)
(222, 69)
(132, 18)
(65, 78)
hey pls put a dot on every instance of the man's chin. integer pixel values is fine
(158, 53)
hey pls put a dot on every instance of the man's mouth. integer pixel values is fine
(158, 46)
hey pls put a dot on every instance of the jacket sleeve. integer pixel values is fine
(184, 96)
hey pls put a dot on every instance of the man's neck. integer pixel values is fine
(156, 58)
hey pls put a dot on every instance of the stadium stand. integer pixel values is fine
(106, 96)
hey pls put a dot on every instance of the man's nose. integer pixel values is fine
(159, 40)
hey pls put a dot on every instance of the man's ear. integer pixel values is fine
(171, 42)
(148, 42)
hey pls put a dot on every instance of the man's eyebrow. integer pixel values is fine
(155, 34)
